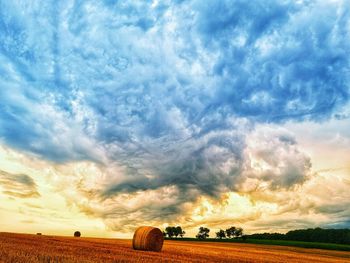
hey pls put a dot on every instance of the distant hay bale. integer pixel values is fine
(77, 234)
(38, 234)
(148, 238)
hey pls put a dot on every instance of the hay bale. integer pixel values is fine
(77, 234)
(148, 238)
(38, 234)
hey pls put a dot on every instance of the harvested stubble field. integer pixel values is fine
(32, 248)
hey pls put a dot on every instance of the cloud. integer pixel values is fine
(18, 185)
(251, 61)
(273, 160)
(166, 93)
(278, 60)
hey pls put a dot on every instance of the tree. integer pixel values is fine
(230, 232)
(179, 232)
(169, 230)
(172, 231)
(221, 234)
(234, 232)
(203, 233)
(238, 232)
(182, 233)
(338, 236)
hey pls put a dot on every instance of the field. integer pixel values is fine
(302, 244)
(31, 248)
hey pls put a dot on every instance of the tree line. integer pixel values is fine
(203, 232)
(338, 236)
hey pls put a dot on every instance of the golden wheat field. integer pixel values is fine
(18, 248)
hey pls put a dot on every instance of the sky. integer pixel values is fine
(116, 114)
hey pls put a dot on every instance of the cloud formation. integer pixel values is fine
(166, 93)
(18, 185)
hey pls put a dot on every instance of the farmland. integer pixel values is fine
(33, 248)
(289, 243)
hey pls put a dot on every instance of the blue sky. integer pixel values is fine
(178, 101)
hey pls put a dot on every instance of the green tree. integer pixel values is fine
(238, 232)
(230, 232)
(177, 231)
(203, 233)
(172, 231)
(169, 230)
(182, 233)
(221, 234)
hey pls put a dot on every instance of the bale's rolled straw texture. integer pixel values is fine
(148, 238)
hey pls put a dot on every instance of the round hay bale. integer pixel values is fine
(38, 234)
(148, 238)
(77, 234)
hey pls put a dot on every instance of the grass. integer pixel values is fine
(302, 244)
